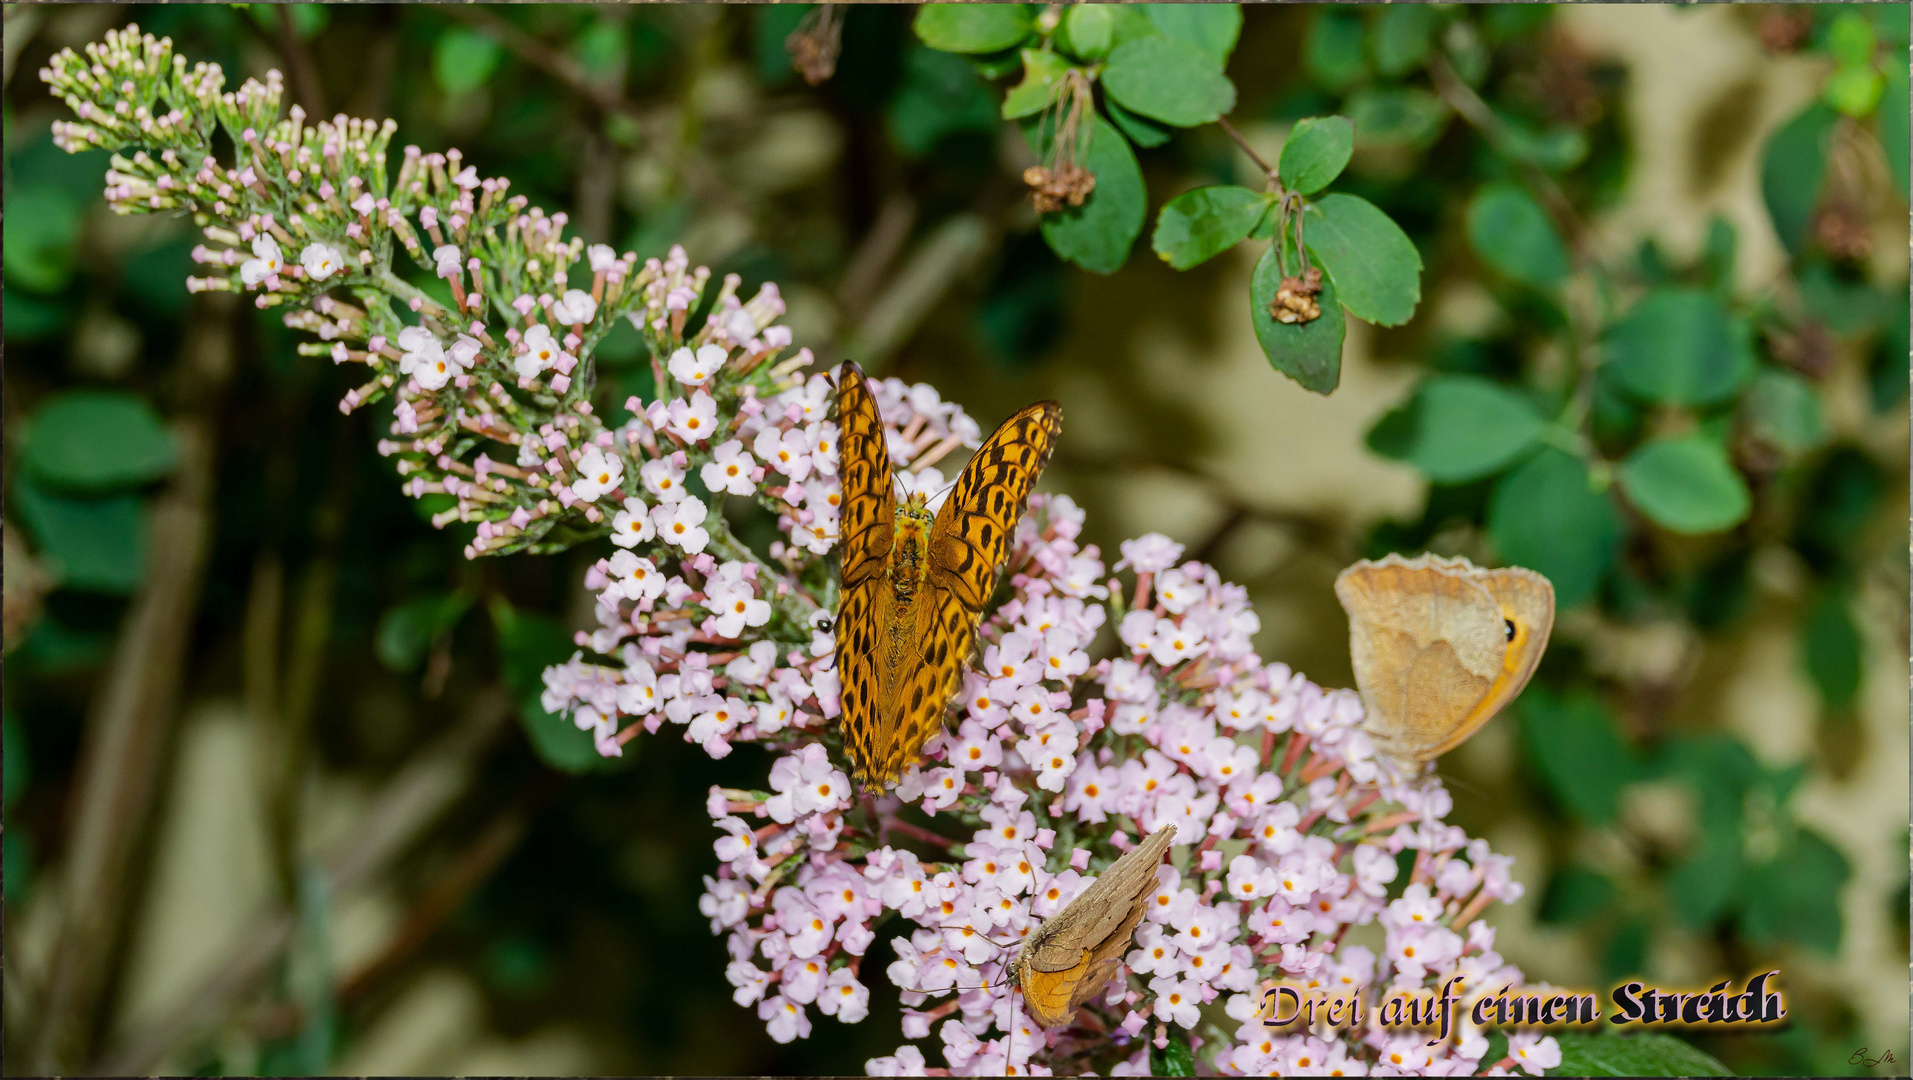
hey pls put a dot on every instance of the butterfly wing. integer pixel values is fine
(973, 530)
(866, 533)
(918, 653)
(1074, 954)
(1433, 656)
(867, 526)
(1526, 600)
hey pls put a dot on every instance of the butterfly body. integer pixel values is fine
(914, 581)
(1439, 647)
(1071, 957)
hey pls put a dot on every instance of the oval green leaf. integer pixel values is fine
(1088, 31)
(1792, 169)
(1685, 485)
(1783, 411)
(96, 440)
(92, 544)
(1097, 235)
(1316, 152)
(1679, 347)
(1213, 28)
(973, 28)
(1198, 225)
(1041, 72)
(1311, 352)
(1648, 1053)
(1140, 130)
(1465, 427)
(1170, 80)
(1511, 233)
(1375, 267)
(464, 59)
(1401, 38)
(1547, 516)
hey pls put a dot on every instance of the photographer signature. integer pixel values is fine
(1860, 1058)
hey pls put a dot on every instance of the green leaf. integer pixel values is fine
(90, 544)
(1717, 256)
(1555, 149)
(1088, 31)
(1168, 79)
(1792, 169)
(39, 236)
(1464, 427)
(1198, 225)
(1649, 1053)
(1890, 121)
(1678, 346)
(1174, 1059)
(1685, 485)
(1041, 72)
(464, 59)
(997, 65)
(527, 644)
(1332, 52)
(1701, 888)
(1140, 130)
(1851, 39)
(1397, 116)
(973, 28)
(1831, 646)
(1854, 91)
(1097, 235)
(1311, 352)
(1783, 411)
(1316, 152)
(1547, 517)
(407, 630)
(1376, 269)
(1401, 38)
(1577, 749)
(96, 440)
(1795, 896)
(1511, 233)
(1213, 28)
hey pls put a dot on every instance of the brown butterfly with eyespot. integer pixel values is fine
(1439, 646)
(914, 584)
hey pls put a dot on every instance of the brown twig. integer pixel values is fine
(1468, 104)
(551, 60)
(132, 718)
(1223, 122)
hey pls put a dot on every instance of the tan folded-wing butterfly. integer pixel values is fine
(1070, 958)
(914, 584)
(1439, 647)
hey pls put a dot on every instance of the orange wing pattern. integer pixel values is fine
(865, 536)
(867, 524)
(908, 610)
(973, 530)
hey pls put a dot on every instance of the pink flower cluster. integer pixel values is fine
(1055, 761)
(1106, 703)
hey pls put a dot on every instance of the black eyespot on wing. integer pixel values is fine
(1508, 625)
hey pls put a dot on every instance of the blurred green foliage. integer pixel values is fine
(1650, 434)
